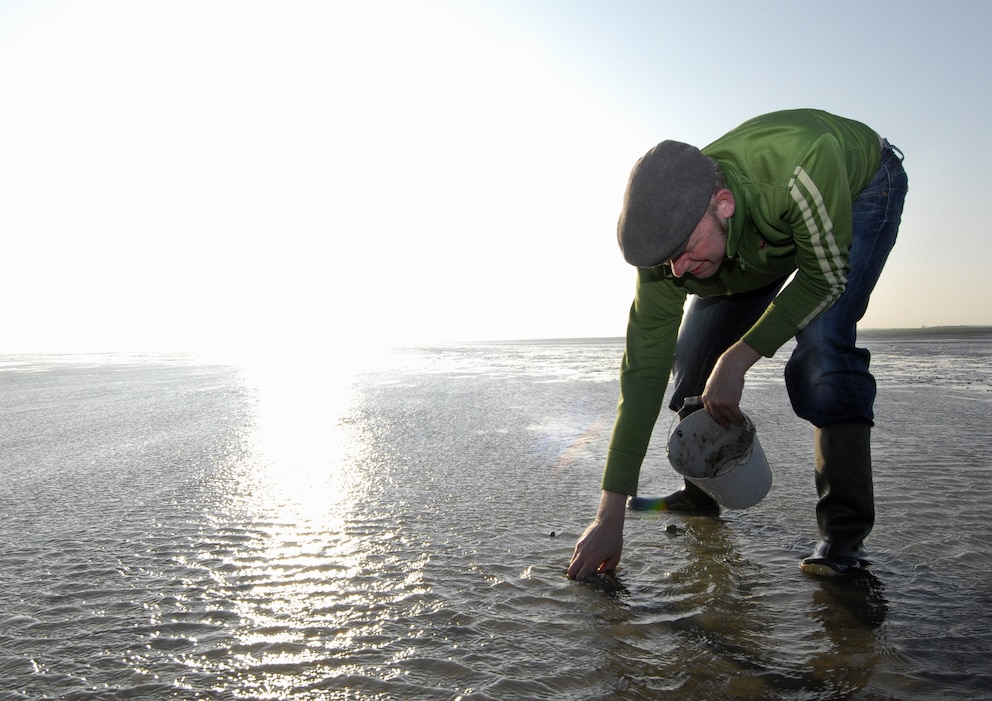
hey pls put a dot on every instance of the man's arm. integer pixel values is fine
(818, 211)
(652, 331)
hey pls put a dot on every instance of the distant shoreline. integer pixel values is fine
(928, 332)
(907, 333)
(920, 333)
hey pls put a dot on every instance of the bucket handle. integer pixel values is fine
(689, 406)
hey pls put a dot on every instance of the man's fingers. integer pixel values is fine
(578, 573)
(576, 568)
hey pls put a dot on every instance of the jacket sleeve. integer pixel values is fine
(652, 329)
(817, 208)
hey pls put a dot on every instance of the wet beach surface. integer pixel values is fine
(174, 529)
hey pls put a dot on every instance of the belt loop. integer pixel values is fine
(894, 149)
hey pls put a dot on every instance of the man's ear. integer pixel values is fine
(726, 205)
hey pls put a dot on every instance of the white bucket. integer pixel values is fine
(726, 463)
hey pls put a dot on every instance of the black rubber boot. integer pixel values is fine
(690, 500)
(845, 512)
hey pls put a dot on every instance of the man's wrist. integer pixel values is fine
(612, 506)
(740, 357)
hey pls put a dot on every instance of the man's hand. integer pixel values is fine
(722, 396)
(599, 548)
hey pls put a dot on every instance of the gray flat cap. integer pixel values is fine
(667, 195)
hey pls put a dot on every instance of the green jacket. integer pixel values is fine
(794, 175)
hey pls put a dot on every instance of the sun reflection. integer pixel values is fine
(300, 447)
(292, 485)
(303, 552)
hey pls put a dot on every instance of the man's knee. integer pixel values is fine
(826, 393)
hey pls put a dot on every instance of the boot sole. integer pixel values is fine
(827, 569)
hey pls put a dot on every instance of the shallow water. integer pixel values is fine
(174, 529)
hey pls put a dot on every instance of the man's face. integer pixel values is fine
(706, 250)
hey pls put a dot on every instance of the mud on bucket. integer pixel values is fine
(726, 463)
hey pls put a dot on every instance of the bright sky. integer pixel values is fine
(182, 175)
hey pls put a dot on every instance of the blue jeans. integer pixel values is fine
(827, 376)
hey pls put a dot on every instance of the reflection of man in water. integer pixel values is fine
(779, 229)
(851, 615)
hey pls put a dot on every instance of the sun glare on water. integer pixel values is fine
(293, 493)
(299, 448)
